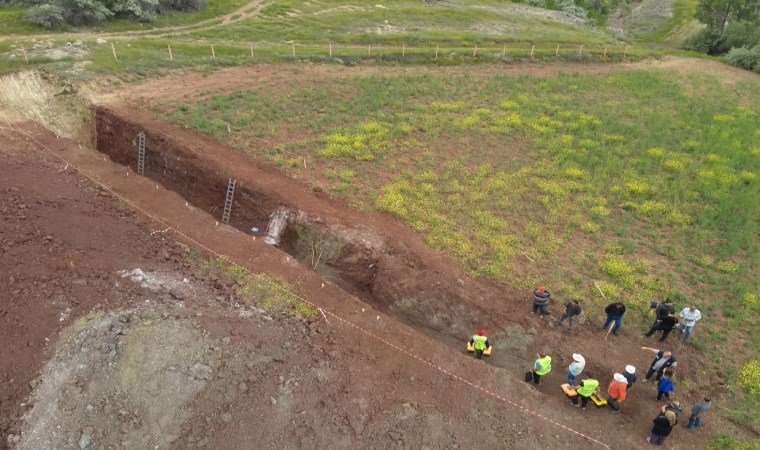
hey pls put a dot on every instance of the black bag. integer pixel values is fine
(528, 377)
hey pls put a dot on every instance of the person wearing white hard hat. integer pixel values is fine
(575, 369)
(616, 392)
(630, 375)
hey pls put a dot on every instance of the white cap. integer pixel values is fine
(620, 378)
(630, 369)
(578, 357)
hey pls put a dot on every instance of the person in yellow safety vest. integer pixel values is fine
(541, 367)
(587, 387)
(480, 342)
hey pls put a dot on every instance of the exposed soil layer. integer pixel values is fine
(417, 286)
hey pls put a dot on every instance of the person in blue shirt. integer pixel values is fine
(666, 385)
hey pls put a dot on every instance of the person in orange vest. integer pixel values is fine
(480, 342)
(616, 392)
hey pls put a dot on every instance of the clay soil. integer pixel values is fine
(115, 336)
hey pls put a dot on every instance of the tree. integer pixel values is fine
(717, 13)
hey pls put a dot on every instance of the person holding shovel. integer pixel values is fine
(614, 313)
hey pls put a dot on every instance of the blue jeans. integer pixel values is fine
(686, 332)
(694, 422)
(571, 379)
(618, 321)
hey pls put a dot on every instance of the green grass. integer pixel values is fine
(452, 24)
(12, 22)
(646, 181)
(262, 289)
(454, 29)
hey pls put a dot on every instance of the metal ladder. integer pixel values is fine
(140, 153)
(228, 201)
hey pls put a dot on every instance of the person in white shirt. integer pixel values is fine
(689, 317)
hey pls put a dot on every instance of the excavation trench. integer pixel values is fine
(384, 273)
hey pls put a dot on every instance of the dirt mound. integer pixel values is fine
(127, 374)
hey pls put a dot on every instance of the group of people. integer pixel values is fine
(665, 318)
(661, 369)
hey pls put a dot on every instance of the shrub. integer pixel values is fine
(49, 16)
(141, 10)
(90, 12)
(745, 58)
(166, 6)
(84, 12)
(742, 34)
(707, 40)
(749, 377)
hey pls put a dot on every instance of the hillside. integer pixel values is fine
(430, 163)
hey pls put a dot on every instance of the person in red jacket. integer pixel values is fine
(616, 392)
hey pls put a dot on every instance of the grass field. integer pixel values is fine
(643, 184)
(12, 22)
(415, 23)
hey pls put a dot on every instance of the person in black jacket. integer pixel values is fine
(663, 309)
(663, 425)
(666, 325)
(540, 301)
(662, 361)
(614, 313)
(630, 375)
(572, 309)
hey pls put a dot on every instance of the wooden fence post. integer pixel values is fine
(605, 52)
(436, 51)
(625, 52)
(293, 47)
(475, 50)
(170, 52)
(251, 49)
(531, 50)
(26, 58)
(504, 52)
(369, 50)
(556, 52)
(213, 53)
(113, 50)
(403, 51)
(330, 49)
(580, 50)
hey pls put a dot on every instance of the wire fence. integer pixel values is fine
(128, 54)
